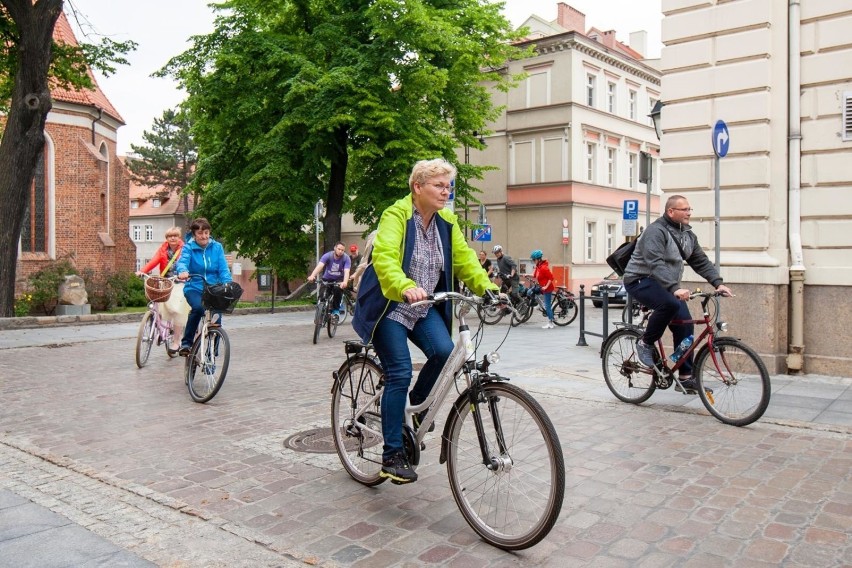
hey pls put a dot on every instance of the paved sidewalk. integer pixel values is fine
(118, 468)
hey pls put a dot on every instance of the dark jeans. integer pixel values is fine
(337, 293)
(193, 298)
(390, 341)
(666, 308)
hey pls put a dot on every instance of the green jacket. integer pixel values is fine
(386, 278)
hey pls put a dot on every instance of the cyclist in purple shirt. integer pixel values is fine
(335, 266)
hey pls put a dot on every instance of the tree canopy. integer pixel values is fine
(30, 62)
(169, 155)
(294, 101)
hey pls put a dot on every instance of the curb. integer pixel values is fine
(31, 322)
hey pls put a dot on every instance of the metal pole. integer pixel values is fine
(648, 185)
(317, 211)
(581, 342)
(718, 211)
(466, 162)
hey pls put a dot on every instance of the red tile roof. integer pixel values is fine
(62, 33)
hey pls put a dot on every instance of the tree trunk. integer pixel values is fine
(23, 137)
(336, 186)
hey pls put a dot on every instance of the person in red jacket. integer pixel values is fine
(175, 309)
(544, 277)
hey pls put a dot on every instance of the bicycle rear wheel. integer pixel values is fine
(168, 342)
(738, 379)
(145, 339)
(356, 419)
(513, 501)
(525, 310)
(626, 377)
(207, 365)
(564, 310)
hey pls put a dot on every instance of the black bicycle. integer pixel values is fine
(323, 316)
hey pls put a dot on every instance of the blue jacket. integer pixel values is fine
(208, 262)
(386, 277)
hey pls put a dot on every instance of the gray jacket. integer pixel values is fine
(657, 255)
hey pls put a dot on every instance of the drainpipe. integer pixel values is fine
(796, 348)
(100, 115)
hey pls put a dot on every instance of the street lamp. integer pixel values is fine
(655, 117)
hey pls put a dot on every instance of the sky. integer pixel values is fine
(162, 29)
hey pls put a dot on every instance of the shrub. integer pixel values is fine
(108, 291)
(44, 285)
(23, 305)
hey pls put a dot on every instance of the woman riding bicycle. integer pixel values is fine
(419, 249)
(544, 277)
(205, 257)
(175, 309)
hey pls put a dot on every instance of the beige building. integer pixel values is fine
(568, 145)
(778, 74)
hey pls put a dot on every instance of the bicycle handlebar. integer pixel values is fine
(471, 300)
(712, 294)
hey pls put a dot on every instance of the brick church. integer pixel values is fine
(79, 199)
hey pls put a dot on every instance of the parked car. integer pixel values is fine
(613, 287)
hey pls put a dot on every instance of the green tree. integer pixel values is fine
(29, 61)
(169, 155)
(293, 101)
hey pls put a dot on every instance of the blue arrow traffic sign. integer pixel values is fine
(721, 138)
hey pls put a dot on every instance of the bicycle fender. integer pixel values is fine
(335, 376)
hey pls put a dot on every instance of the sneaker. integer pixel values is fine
(689, 386)
(183, 351)
(548, 325)
(646, 353)
(398, 470)
(417, 419)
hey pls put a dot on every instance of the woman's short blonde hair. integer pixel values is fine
(173, 231)
(428, 169)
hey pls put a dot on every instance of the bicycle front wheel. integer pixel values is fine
(564, 310)
(356, 419)
(332, 321)
(626, 377)
(207, 365)
(319, 317)
(513, 501)
(738, 380)
(145, 339)
(525, 310)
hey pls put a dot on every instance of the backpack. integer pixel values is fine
(621, 256)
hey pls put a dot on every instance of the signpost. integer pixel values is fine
(646, 176)
(721, 143)
(318, 209)
(630, 217)
(482, 233)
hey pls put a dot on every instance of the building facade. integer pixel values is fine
(778, 74)
(567, 147)
(78, 200)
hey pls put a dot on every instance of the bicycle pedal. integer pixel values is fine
(422, 446)
(214, 325)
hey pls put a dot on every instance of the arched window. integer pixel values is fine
(35, 230)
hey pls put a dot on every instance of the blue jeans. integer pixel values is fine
(390, 341)
(548, 304)
(666, 308)
(196, 312)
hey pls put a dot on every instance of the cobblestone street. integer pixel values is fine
(125, 453)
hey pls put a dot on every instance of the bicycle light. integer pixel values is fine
(722, 325)
(493, 358)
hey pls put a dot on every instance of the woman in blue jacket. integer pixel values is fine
(205, 258)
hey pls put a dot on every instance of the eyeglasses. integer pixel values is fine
(683, 208)
(172, 236)
(439, 187)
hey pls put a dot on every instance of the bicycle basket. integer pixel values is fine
(221, 297)
(158, 289)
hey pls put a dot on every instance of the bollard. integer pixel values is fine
(582, 341)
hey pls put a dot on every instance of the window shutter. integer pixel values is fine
(847, 116)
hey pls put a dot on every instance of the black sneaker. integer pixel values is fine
(398, 470)
(417, 419)
(183, 351)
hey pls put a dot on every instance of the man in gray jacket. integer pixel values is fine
(653, 278)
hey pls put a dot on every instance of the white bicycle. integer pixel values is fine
(504, 460)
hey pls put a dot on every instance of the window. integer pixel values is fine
(631, 104)
(134, 204)
(155, 202)
(610, 165)
(137, 233)
(610, 97)
(149, 232)
(590, 162)
(610, 238)
(590, 90)
(590, 241)
(847, 116)
(632, 161)
(138, 264)
(34, 228)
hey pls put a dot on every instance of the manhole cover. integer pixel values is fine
(321, 441)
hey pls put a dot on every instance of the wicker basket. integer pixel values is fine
(158, 289)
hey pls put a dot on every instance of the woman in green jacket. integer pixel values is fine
(419, 249)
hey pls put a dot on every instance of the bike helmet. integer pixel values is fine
(536, 254)
(496, 249)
